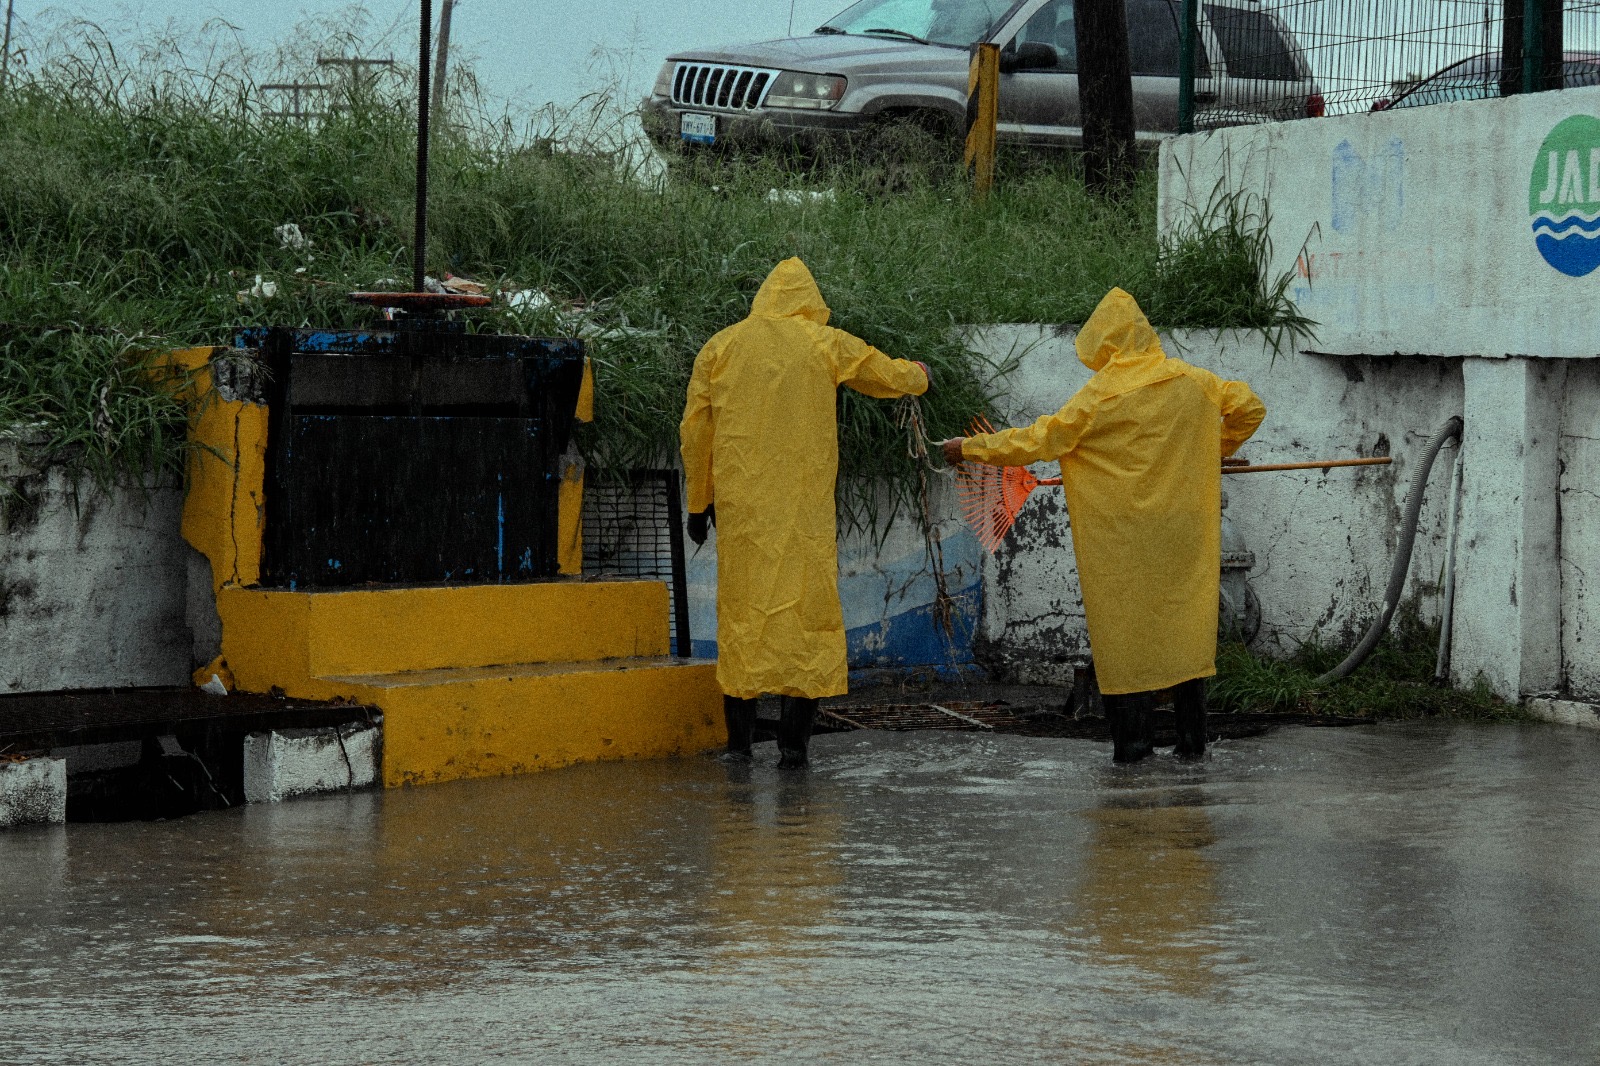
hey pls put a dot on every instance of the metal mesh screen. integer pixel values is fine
(1285, 59)
(633, 528)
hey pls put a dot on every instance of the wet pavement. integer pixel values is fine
(1409, 893)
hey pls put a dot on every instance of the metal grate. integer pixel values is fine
(1305, 58)
(715, 85)
(633, 528)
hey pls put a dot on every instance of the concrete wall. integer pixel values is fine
(1580, 530)
(1418, 226)
(1466, 231)
(92, 585)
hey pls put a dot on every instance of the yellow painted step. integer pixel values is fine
(442, 725)
(287, 639)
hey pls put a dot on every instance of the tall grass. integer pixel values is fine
(138, 201)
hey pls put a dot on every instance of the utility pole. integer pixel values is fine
(5, 49)
(442, 63)
(299, 93)
(358, 74)
(1105, 95)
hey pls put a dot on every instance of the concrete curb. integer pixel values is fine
(33, 792)
(1564, 712)
(302, 762)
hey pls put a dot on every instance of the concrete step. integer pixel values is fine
(281, 638)
(441, 725)
(484, 680)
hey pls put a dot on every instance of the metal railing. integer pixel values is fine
(1280, 59)
(633, 528)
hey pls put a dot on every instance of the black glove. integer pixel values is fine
(698, 523)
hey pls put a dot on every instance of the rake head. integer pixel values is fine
(992, 496)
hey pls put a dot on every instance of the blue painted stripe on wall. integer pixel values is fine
(908, 639)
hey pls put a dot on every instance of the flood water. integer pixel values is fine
(1421, 893)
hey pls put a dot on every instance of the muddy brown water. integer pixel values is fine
(1416, 893)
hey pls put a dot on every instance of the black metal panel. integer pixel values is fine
(413, 455)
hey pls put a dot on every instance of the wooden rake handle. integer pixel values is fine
(1269, 467)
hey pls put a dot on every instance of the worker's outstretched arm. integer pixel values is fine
(1242, 412)
(1049, 438)
(867, 370)
(696, 434)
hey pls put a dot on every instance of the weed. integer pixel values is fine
(1395, 682)
(138, 202)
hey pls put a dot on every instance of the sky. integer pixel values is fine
(528, 52)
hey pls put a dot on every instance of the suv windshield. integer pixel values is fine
(951, 22)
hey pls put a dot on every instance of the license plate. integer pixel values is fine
(701, 129)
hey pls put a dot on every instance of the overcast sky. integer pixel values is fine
(529, 51)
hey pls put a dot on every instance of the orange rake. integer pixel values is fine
(992, 496)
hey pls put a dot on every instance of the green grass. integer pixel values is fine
(1396, 681)
(132, 215)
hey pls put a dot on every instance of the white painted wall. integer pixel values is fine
(1417, 225)
(1418, 232)
(92, 585)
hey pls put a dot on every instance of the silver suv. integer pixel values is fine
(884, 61)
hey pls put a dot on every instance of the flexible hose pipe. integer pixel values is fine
(1451, 430)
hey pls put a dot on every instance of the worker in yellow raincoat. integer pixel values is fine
(760, 442)
(1141, 448)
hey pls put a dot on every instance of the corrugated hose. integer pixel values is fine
(1451, 430)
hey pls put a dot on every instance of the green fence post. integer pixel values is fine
(1533, 12)
(1188, 37)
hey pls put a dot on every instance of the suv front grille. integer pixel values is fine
(715, 85)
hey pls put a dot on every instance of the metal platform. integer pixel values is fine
(45, 720)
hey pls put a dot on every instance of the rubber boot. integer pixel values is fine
(794, 730)
(741, 718)
(1131, 727)
(1189, 708)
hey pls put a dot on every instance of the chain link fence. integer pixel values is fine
(1244, 63)
(633, 528)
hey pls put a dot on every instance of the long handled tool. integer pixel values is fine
(992, 496)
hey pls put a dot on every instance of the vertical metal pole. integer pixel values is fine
(1441, 662)
(983, 112)
(680, 567)
(420, 241)
(1188, 38)
(441, 66)
(1532, 45)
(5, 49)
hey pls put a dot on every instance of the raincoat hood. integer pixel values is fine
(791, 292)
(1118, 333)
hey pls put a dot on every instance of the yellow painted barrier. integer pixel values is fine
(473, 681)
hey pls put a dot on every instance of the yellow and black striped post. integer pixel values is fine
(983, 114)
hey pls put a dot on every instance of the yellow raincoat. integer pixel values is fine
(1141, 447)
(761, 440)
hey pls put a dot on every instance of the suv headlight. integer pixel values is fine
(812, 91)
(664, 79)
